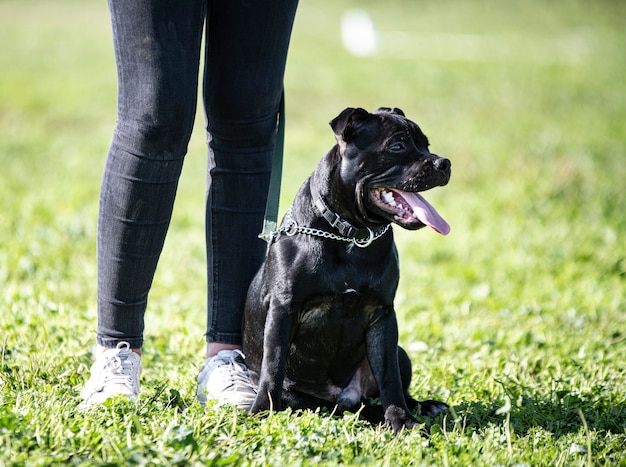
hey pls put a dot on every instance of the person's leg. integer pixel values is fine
(245, 59)
(157, 50)
(157, 47)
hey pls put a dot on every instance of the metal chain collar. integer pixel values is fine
(290, 228)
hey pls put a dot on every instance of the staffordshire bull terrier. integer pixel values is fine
(320, 328)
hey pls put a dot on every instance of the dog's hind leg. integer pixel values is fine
(300, 401)
(429, 408)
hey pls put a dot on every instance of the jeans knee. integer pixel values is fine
(157, 130)
(152, 141)
(243, 136)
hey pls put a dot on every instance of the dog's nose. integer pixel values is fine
(442, 164)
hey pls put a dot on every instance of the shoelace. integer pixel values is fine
(120, 369)
(239, 376)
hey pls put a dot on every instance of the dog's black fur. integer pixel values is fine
(320, 326)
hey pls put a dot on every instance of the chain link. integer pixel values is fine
(291, 228)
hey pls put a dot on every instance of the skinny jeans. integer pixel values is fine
(157, 46)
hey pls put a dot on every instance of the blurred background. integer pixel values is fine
(527, 99)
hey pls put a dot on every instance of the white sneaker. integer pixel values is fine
(115, 372)
(225, 379)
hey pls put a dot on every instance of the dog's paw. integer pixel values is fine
(261, 404)
(399, 419)
(432, 408)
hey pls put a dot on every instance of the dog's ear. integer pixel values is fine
(395, 110)
(343, 125)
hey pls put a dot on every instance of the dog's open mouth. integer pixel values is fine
(409, 208)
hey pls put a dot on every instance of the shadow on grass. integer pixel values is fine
(561, 416)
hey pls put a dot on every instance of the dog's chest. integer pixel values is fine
(337, 323)
(347, 294)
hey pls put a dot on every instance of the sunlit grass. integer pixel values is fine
(517, 318)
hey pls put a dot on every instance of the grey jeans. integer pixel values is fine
(157, 49)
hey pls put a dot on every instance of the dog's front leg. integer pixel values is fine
(275, 342)
(382, 353)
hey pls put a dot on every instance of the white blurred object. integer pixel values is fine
(358, 33)
(360, 38)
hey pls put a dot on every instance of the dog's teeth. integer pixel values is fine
(388, 198)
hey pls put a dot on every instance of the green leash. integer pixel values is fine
(270, 221)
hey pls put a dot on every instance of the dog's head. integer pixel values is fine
(384, 159)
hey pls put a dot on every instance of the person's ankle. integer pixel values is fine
(100, 350)
(212, 348)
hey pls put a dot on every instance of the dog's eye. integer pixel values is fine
(397, 147)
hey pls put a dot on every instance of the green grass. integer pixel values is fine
(517, 319)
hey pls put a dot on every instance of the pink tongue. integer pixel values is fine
(427, 214)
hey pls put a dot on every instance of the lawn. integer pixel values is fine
(517, 319)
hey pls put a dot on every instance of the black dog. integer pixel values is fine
(320, 326)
